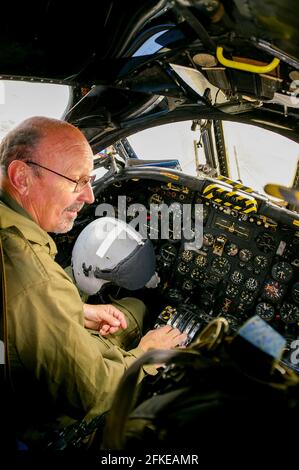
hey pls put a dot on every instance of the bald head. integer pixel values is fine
(23, 142)
(42, 161)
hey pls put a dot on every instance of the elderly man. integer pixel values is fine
(59, 371)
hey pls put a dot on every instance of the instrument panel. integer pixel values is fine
(247, 264)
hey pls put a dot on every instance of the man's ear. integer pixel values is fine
(19, 176)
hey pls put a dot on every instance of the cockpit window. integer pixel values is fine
(150, 46)
(255, 156)
(20, 100)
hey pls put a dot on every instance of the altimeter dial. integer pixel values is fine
(265, 310)
(282, 271)
(289, 313)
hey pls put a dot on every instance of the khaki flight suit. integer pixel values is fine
(60, 371)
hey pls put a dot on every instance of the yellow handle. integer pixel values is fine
(243, 66)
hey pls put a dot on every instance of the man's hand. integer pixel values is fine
(164, 337)
(105, 319)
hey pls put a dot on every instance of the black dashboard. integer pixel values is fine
(248, 263)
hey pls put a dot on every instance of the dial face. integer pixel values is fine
(282, 271)
(168, 252)
(221, 266)
(265, 311)
(246, 297)
(273, 291)
(251, 284)
(237, 277)
(201, 261)
(208, 239)
(295, 292)
(289, 313)
(187, 255)
(265, 242)
(260, 262)
(232, 291)
(183, 268)
(245, 255)
(231, 249)
(197, 274)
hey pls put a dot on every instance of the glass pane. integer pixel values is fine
(20, 100)
(257, 156)
(170, 141)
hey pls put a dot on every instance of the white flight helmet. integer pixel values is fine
(109, 250)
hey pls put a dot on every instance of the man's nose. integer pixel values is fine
(86, 194)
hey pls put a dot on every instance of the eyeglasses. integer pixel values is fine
(80, 183)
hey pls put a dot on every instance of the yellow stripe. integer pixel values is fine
(210, 187)
(250, 209)
(169, 175)
(296, 222)
(250, 202)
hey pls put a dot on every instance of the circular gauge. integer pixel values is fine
(282, 271)
(183, 268)
(197, 274)
(289, 313)
(246, 297)
(232, 291)
(295, 292)
(237, 277)
(251, 284)
(260, 262)
(265, 311)
(245, 255)
(201, 261)
(208, 239)
(220, 266)
(168, 252)
(187, 255)
(273, 291)
(265, 242)
(231, 249)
